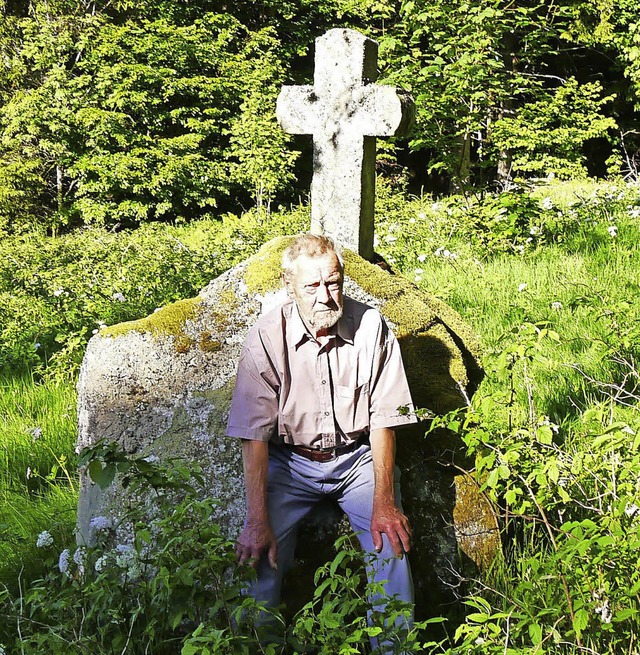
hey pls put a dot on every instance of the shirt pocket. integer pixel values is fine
(352, 408)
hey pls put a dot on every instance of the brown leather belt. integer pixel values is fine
(325, 454)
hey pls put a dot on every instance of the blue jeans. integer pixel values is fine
(295, 484)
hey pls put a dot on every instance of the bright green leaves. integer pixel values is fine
(547, 135)
(137, 128)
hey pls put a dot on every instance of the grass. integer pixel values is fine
(582, 285)
(38, 488)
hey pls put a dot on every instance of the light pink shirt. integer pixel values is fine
(294, 390)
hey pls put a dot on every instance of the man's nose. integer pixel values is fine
(323, 294)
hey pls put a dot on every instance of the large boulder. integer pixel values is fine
(162, 387)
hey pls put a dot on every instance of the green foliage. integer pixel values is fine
(174, 573)
(55, 293)
(38, 485)
(122, 123)
(570, 495)
(335, 620)
(118, 113)
(547, 136)
(494, 88)
(173, 584)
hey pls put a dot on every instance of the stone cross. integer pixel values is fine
(344, 112)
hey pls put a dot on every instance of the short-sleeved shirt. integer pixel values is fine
(292, 389)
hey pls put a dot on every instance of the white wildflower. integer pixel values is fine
(412, 220)
(612, 230)
(100, 523)
(557, 305)
(101, 564)
(445, 253)
(35, 433)
(422, 258)
(418, 271)
(547, 203)
(534, 231)
(522, 287)
(634, 212)
(125, 555)
(63, 560)
(126, 558)
(44, 539)
(118, 296)
(78, 558)
(390, 238)
(605, 611)
(36, 345)
(58, 292)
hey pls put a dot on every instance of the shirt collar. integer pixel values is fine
(298, 332)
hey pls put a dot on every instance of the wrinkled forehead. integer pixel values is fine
(317, 267)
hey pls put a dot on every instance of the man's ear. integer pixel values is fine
(286, 280)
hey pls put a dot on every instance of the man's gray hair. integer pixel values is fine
(311, 245)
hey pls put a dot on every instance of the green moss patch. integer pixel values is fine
(168, 321)
(264, 269)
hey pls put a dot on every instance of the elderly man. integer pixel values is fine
(319, 383)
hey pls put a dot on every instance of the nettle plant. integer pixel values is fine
(173, 585)
(570, 579)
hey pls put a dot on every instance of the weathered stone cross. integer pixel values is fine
(344, 112)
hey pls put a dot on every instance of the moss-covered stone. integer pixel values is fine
(477, 529)
(263, 272)
(167, 321)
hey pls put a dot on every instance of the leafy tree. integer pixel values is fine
(118, 123)
(546, 136)
(472, 65)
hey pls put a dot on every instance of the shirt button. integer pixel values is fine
(326, 413)
(324, 382)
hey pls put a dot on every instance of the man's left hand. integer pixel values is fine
(388, 519)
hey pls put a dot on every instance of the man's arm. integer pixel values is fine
(257, 536)
(386, 517)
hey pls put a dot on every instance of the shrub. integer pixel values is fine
(172, 586)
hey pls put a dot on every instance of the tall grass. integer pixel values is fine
(582, 282)
(38, 488)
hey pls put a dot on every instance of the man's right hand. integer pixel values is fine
(256, 539)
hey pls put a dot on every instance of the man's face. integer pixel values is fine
(316, 286)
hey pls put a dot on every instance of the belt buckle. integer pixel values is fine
(333, 455)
